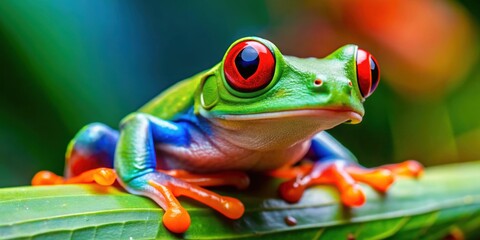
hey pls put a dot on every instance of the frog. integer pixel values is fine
(257, 111)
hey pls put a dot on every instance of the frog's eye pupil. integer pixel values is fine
(249, 66)
(247, 62)
(368, 73)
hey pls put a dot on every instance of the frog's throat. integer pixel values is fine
(354, 117)
(272, 131)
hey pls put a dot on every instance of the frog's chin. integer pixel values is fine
(351, 116)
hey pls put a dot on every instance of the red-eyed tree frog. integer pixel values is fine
(255, 111)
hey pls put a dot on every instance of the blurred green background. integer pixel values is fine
(64, 64)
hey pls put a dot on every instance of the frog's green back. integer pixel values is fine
(177, 99)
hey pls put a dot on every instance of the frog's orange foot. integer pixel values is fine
(101, 176)
(164, 189)
(345, 176)
(190, 185)
(183, 183)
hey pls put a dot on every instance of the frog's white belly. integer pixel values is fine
(210, 154)
(256, 144)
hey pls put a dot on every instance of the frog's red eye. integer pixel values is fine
(368, 73)
(249, 66)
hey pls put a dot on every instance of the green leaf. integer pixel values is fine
(446, 198)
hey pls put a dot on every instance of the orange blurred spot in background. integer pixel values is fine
(424, 47)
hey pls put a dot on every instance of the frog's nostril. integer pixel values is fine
(318, 82)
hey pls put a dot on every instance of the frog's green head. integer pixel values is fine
(256, 82)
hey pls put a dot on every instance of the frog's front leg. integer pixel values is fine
(337, 166)
(135, 163)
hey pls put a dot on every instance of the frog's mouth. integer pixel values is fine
(348, 115)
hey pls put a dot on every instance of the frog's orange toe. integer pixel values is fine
(291, 191)
(379, 179)
(101, 176)
(105, 176)
(353, 196)
(233, 208)
(414, 168)
(176, 220)
(46, 178)
(229, 207)
(410, 168)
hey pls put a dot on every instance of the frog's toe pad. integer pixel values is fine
(291, 191)
(101, 176)
(46, 178)
(379, 179)
(176, 220)
(234, 208)
(353, 196)
(104, 176)
(410, 168)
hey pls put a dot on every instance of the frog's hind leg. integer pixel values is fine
(89, 158)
